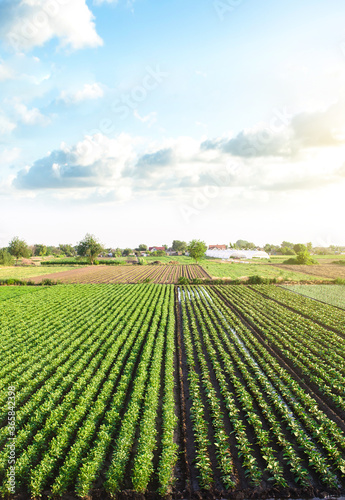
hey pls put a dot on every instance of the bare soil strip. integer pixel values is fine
(332, 271)
(164, 274)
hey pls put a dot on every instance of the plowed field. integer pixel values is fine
(127, 274)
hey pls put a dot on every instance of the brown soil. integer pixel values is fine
(332, 271)
(165, 274)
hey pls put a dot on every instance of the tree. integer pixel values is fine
(299, 247)
(142, 248)
(197, 249)
(126, 252)
(6, 259)
(158, 253)
(244, 245)
(18, 248)
(304, 257)
(287, 244)
(68, 250)
(51, 250)
(179, 246)
(89, 247)
(287, 251)
(40, 250)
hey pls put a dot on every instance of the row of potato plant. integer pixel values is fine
(327, 314)
(306, 411)
(294, 342)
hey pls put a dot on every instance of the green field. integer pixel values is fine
(182, 259)
(9, 292)
(239, 270)
(23, 273)
(108, 381)
(330, 294)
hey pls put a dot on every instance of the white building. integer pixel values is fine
(237, 254)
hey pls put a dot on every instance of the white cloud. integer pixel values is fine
(5, 72)
(150, 119)
(25, 24)
(89, 91)
(6, 126)
(174, 167)
(8, 156)
(31, 116)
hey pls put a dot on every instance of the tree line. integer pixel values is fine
(90, 247)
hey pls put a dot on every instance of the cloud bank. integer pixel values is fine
(25, 24)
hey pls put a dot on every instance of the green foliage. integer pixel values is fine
(6, 259)
(304, 258)
(89, 247)
(287, 251)
(18, 248)
(244, 245)
(40, 250)
(126, 252)
(158, 253)
(183, 280)
(299, 247)
(68, 250)
(142, 248)
(197, 249)
(179, 246)
(254, 280)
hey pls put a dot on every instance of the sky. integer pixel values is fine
(145, 121)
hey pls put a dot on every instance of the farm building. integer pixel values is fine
(237, 254)
(217, 247)
(157, 249)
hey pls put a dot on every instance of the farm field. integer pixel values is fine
(330, 271)
(23, 273)
(330, 294)
(94, 369)
(181, 390)
(239, 270)
(128, 274)
(7, 292)
(180, 259)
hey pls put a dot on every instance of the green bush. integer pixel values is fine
(6, 259)
(183, 280)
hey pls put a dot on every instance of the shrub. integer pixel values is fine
(258, 280)
(6, 259)
(196, 281)
(183, 280)
(48, 282)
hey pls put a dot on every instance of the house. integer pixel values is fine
(217, 247)
(157, 249)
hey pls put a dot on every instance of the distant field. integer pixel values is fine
(331, 271)
(22, 273)
(238, 270)
(182, 259)
(330, 294)
(128, 274)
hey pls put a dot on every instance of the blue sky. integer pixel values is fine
(148, 121)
